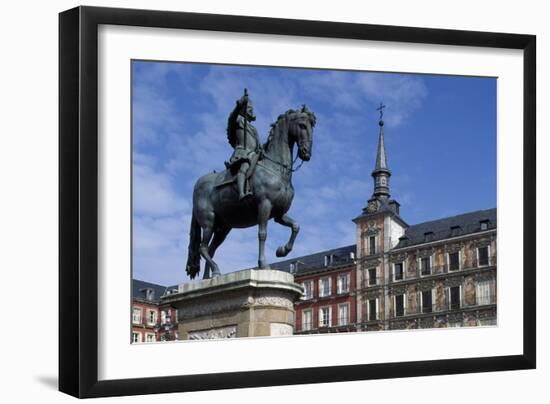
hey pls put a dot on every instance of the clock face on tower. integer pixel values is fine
(371, 207)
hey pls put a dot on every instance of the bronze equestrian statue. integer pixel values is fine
(255, 187)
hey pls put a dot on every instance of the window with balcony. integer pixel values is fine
(307, 320)
(485, 292)
(398, 271)
(151, 317)
(308, 289)
(371, 272)
(343, 314)
(425, 265)
(342, 284)
(372, 245)
(454, 297)
(399, 305)
(372, 309)
(324, 287)
(454, 261)
(483, 256)
(426, 297)
(136, 316)
(324, 317)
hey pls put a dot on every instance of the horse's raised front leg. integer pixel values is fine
(264, 211)
(287, 221)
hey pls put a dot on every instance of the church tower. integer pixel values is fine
(379, 228)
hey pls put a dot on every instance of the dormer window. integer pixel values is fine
(484, 224)
(292, 267)
(455, 231)
(328, 259)
(429, 236)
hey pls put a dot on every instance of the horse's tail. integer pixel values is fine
(193, 256)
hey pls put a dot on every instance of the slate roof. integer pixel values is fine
(315, 262)
(139, 290)
(466, 223)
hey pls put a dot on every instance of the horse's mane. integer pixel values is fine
(311, 116)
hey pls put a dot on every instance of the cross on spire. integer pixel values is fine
(381, 109)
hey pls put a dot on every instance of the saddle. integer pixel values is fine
(230, 177)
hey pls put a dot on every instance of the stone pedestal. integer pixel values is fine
(246, 303)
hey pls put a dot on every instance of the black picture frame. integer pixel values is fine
(78, 200)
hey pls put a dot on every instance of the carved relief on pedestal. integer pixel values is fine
(214, 333)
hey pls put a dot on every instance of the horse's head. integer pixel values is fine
(300, 130)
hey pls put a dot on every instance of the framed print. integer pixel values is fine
(249, 201)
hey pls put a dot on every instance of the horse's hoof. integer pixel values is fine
(282, 251)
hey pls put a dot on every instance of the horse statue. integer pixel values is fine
(217, 207)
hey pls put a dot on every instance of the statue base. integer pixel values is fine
(248, 303)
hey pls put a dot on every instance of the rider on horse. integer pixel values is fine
(243, 136)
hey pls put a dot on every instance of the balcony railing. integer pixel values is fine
(438, 308)
(446, 269)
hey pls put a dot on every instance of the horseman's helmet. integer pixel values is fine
(245, 105)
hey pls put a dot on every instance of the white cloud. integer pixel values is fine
(153, 193)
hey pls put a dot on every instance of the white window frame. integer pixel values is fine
(339, 289)
(138, 339)
(420, 266)
(376, 276)
(149, 334)
(459, 261)
(321, 317)
(309, 282)
(488, 256)
(404, 305)
(134, 310)
(491, 292)
(402, 270)
(347, 305)
(329, 286)
(304, 322)
(163, 315)
(369, 252)
(149, 322)
(377, 311)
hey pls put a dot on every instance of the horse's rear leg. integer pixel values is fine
(210, 264)
(219, 236)
(287, 221)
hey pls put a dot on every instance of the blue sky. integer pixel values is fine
(440, 137)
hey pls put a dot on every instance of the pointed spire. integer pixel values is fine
(381, 161)
(381, 172)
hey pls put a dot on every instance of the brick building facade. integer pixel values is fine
(151, 319)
